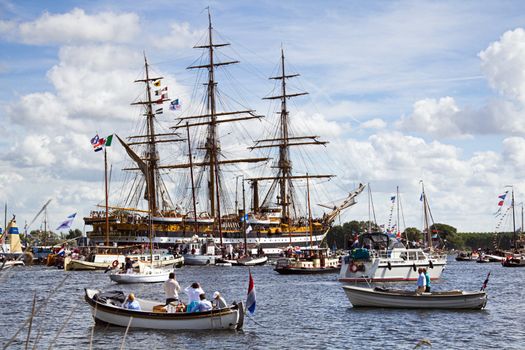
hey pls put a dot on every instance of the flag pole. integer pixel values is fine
(106, 191)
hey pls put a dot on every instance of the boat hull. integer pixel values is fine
(249, 262)
(369, 297)
(227, 318)
(306, 271)
(140, 277)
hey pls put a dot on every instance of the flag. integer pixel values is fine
(175, 105)
(160, 91)
(97, 143)
(502, 197)
(62, 252)
(159, 111)
(421, 197)
(250, 299)
(157, 83)
(485, 282)
(109, 139)
(67, 223)
(393, 199)
(248, 229)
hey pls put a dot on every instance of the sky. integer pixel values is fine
(404, 91)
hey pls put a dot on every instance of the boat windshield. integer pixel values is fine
(378, 241)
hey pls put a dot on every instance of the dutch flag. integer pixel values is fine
(250, 299)
(61, 252)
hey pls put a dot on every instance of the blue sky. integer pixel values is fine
(403, 90)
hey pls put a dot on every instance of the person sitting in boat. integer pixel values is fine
(427, 280)
(172, 289)
(219, 301)
(203, 305)
(194, 291)
(421, 281)
(131, 303)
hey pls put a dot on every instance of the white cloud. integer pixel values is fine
(375, 123)
(503, 63)
(73, 27)
(181, 36)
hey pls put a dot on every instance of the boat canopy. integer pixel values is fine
(378, 241)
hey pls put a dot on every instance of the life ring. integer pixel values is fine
(353, 268)
(114, 263)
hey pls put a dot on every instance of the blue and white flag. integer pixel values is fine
(250, 299)
(67, 223)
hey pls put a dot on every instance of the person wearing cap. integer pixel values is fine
(172, 289)
(131, 303)
(219, 301)
(203, 305)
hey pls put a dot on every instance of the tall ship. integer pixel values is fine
(202, 205)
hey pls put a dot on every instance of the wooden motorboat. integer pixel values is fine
(308, 261)
(106, 308)
(403, 299)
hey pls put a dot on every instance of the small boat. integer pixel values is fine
(250, 261)
(514, 261)
(466, 256)
(404, 299)
(308, 261)
(106, 308)
(6, 264)
(103, 261)
(146, 274)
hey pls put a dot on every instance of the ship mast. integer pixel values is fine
(211, 119)
(284, 142)
(425, 218)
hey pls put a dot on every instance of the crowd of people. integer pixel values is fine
(197, 301)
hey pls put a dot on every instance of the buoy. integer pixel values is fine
(114, 263)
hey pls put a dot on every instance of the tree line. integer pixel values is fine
(342, 236)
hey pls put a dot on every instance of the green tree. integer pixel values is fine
(412, 234)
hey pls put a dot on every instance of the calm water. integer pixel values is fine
(292, 312)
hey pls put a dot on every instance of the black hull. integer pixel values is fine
(311, 271)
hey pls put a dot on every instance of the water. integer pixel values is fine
(292, 312)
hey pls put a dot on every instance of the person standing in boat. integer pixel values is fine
(128, 266)
(421, 281)
(194, 291)
(219, 301)
(427, 280)
(172, 289)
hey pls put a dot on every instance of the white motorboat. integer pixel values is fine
(200, 251)
(106, 308)
(103, 261)
(386, 260)
(146, 274)
(249, 261)
(403, 299)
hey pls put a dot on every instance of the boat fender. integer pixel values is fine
(414, 266)
(389, 265)
(353, 268)
(114, 263)
(431, 264)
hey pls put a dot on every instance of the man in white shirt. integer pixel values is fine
(204, 305)
(172, 289)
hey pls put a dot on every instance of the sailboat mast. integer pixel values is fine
(513, 222)
(425, 213)
(106, 194)
(244, 219)
(192, 180)
(369, 209)
(309, 210)
(397, 223)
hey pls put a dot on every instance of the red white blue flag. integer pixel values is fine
(250, 299)
(97, 143)
(502, 197)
